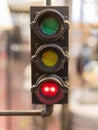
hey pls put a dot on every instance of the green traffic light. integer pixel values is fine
(49, 26)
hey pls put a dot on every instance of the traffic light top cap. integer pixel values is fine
(52, 46)
(49, 25)
(51, 77)
(48, 11)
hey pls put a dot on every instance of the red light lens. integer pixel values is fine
(49, 89)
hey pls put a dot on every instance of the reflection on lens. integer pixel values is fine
(49, 58)
(49, 26)
(49, 89)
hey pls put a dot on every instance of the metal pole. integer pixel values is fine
(48, 2)
(20, 112)
(43, 112)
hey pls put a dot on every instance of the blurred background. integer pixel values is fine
(81, 113)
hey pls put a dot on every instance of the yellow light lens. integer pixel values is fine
(49, 58)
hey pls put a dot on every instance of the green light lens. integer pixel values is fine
(49, 58)
(49, 26)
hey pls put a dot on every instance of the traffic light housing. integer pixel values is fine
(49, 54)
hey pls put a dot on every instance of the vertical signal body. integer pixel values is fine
(49, 54)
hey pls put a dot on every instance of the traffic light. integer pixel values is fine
(49, 54)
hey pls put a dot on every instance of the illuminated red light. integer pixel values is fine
(50, 89)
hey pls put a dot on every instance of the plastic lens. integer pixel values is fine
(49, 89)
(49, 58)
(49, 26)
